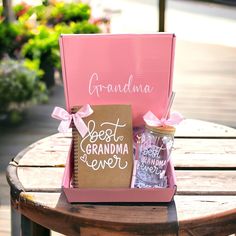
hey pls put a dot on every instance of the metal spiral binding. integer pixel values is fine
(75, 135)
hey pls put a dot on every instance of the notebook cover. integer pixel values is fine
(103, 158)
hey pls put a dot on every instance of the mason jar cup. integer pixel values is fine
(153, 156)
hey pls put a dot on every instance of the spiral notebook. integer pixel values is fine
(103, 158)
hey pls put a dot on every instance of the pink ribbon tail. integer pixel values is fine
(61, 114)
(83, 112)
(174, 119)
(151, 120)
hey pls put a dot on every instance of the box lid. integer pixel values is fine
(133, 69)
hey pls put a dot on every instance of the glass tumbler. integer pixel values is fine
(153, 156)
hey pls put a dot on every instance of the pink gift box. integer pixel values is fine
(117, 195)
(134, 69)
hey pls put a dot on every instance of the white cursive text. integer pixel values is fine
(97, 88)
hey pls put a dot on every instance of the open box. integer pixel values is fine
(133, 69)
(117, 195)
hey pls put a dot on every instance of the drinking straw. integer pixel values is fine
(167, 110)
(170, 102)
(165, 153)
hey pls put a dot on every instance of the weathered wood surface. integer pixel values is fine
(44, 179)
(141, 220)
(204, 153)
(206, 182)
(205, 200)
(197, 153)
(194, 213)
(52, 151)
(197, 128)
(199, 207)
(189, 182)
(210, 215)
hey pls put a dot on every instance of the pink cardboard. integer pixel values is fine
(133, 69)
(117, 195)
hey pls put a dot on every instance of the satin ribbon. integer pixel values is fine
(151, 120)
(66, 118)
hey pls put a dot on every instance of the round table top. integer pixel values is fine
(204, 157)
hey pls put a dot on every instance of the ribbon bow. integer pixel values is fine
(66, 118)
(151, 120)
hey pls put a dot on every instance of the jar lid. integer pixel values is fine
(169, 130)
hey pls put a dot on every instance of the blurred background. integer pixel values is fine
(30, 70)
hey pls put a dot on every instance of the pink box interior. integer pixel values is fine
(117, 195)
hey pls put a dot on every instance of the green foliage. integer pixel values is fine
(52, 14)
(19, 86)
(67, 12)
(55, 19)
(12, 37)
(18, 8)
(84, 27)
(1, 11)
(21, 9)
(34, 66)
(35, 34)
(45, 18)
(43, 44)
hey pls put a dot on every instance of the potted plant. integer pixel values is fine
(19, 87)
(44, 46)
(12, 38)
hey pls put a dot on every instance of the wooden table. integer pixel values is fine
(205, 204)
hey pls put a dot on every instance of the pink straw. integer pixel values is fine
(170, 102)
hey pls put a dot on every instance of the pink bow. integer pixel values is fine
(151, 120)
(66, 118)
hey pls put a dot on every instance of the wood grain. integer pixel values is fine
(197, 153)
(40, 179)
(198, 128)
(197, 214)
(141, 219)
(52, 151)
(188, 208)
(206, 182)
(204, 153)
(189, 182)
(45, 157)
(206, 215)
